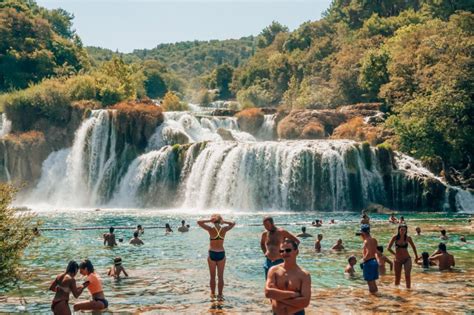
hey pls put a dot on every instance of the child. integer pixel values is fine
(317, 245)
(338, 246)
(117, 268)
(382, 259)
(350, 267)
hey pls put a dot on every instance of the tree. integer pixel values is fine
(373, 73)
(171, 102)
(268, 34)
(221, 78)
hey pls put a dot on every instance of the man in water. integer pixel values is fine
(183, 227)
(109, 238)
(270, 243)
(369, 262)
(288, 286)
(418, 231)
(444, 260)
(135, 240)
(317, 244)
(338, 246)
(317, 223)
(443, 236)
(303, 233)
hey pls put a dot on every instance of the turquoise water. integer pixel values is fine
(169, 273)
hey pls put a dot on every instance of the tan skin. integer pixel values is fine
(272, 238)
(90, 305)
(369, 251)
(288, 286)
(115, 271)
(216, 246)
(444, 260)
(317, 244)
(350, 267)
(338, 246)
(402, 256)
(382, 260)
(64, 280)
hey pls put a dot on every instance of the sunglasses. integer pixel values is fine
(287, 250)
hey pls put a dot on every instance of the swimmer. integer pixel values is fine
(418, 231)
(317, 244)
(338, 246)
(94, 285)
(402, 220)
(444, 259)
(425, 262)
(443, 236)
(393, 219)
(303, 233)
(109, 238)
(168, 229)
(365, 219)
(135, 240)
(463, 239)
(382, 260)
(63, 285)
(117, 268)
(332, 221)
(317, 223)
(402, 256)
(36, 232)
(183, 227)
(350, 267)
(369, 264)
(140, 229)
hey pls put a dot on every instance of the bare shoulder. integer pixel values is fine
(305, 273)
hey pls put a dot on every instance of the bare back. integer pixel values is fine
(370, 248)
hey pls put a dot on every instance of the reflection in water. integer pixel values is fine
(170, 275)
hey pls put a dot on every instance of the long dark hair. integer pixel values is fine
(87, 264)
(72, 267)
(406, 233)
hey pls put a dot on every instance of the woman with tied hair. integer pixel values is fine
(402, 257)
(216, 258)
(94, 285)
(63, 285)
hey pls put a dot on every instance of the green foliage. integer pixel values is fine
(254, 96)
(36, 43)
(171, 103)
(268, 34)
(16, 233)
(220, 79)
(373, 73)
(203, 97)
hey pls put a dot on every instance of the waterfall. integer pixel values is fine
(267, 131)
(5, 126)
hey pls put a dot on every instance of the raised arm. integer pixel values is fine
(263, 246)
(290, 236)
(230, 225)
(272, 292)
(202, 223)
(304, 297)
(410, 241)
(54, 285)
(389, 247)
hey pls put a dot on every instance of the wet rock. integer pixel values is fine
(224, 112)
(225, 134)
(250, 120)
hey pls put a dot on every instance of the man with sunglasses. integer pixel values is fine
(270, 243)
(288, 286)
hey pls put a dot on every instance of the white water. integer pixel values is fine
(5, 126)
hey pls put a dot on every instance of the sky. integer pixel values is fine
(125, 25)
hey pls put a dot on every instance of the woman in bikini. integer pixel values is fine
(63, 285)
(402, 257)
(94, 285)
(216, 259)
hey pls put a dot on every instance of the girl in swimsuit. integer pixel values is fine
(402, 257)
(94, 284)
(63, 285)
(216, 259)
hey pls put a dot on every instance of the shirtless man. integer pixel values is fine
(369, 261)
(338, 246)
(270, 243)
(317, 244)
(109, 238)
(135, 240)
(444, 260)
(183, 228)
(303, 233)
(288, 286)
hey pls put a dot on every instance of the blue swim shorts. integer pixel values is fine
(371, 270)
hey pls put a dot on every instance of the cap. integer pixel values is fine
(364, 228)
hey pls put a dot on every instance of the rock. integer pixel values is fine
(377, 208)
(174, 136)
(313, 130)
(224, 112)
(250, 120)
(225, 134)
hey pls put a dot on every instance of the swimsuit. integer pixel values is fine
(54, 303)
(405, 246)
(103, 301)
(297, 313)
(270, 263)
(216, 256)
(218, 237)
(95, 286)
(370, 269)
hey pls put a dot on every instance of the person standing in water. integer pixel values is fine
(317, 244)
(270, 243)
(183, 227)
(63, 285)
(303, 233)
(109, 238)
(382, 260)
(94, 285)
(135, 240)
(117, 268)
(338, 246)
(168, 229)
(288, 285)
(402, 257)
(216, 258)
(350, 266)
(443, 258)
(369, 264)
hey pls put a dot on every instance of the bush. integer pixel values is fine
(356, 129)
(254, 96)
(171, 103)
(16, 233)
(82, 87)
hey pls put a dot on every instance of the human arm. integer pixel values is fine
(230, 225)
(290, 236)
(76, 291)
(263, 246)
(202, 223)
(272, 292)
(388, 261)
(124, 272)
(304, 295)
(54, 285)
(389, 247)
(105, 239)
(410, 241)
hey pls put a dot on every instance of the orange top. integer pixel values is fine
(95, 285)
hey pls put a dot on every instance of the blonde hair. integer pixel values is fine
(216, 218)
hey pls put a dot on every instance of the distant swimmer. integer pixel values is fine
(168, 229)
(140, 230)
(64, 285)
(402, 256)
(444, 260)
(270, 243)
(109, 238)
(369, 263)
(332, 221)
(350, 266)
(303, 233)
(94, 285)
(393, 219)
(117, 268)
(288, 286)
(216, 258)
(425, 262)
(382, 260)
(402, 220)
(317, 223)
(317, 244)
(418, 231)
(443, 236)
(338, 246)
(135, 240)
(365, 219)
(463, 239)
(183, 227)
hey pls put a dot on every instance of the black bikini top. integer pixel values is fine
(218, 236)
(401, 246)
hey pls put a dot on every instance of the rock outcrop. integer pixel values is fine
(250, 120)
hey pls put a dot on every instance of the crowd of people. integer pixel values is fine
(287, 285)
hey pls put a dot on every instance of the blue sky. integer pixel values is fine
(134, 24)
